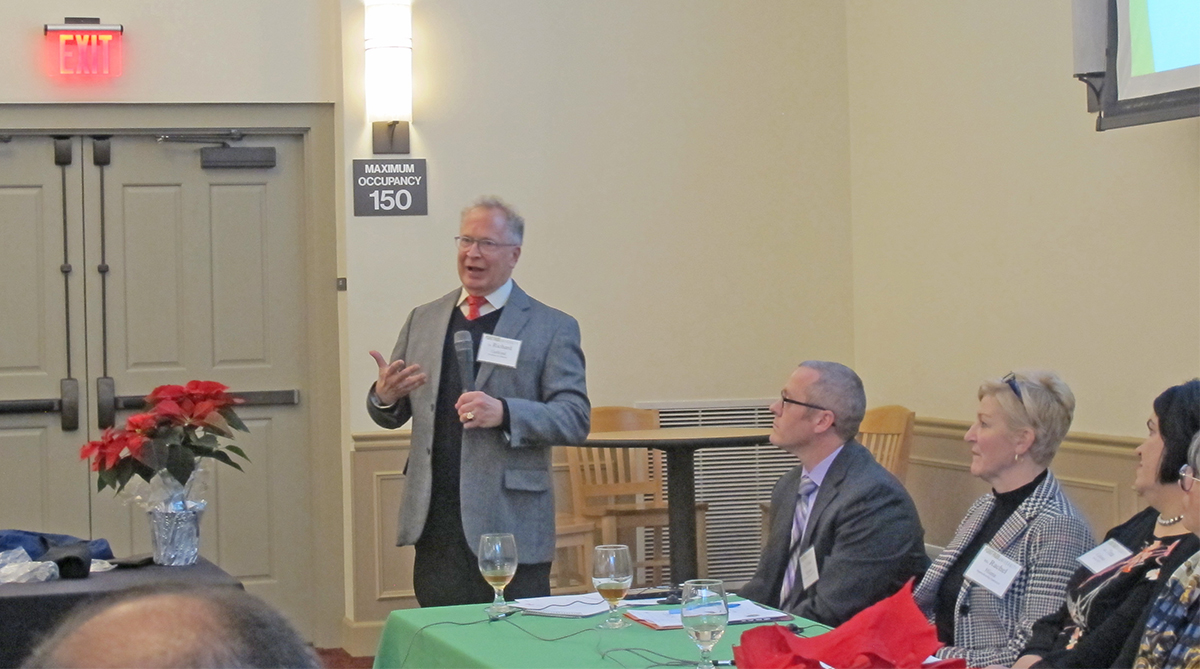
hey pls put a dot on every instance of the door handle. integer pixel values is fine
(67, 405)
(106, 402)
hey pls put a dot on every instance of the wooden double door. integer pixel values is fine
(126, 264)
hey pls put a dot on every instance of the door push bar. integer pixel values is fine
(109, 403)
(67, 405)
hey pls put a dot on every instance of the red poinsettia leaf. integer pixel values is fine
(89, 449)
(114, 443)
(188, 405)
(142, 423)
(215, 422)
(201, 409)
(161, 393)
(183, 423)
(209, 390)
(134, 443)
(170, 410)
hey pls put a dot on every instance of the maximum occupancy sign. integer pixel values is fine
(390, 188)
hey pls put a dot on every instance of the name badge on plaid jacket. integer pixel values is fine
(993, 570)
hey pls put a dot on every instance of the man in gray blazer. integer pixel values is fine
(480, 460)
(844, 533)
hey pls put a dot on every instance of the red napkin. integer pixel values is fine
(890, 633)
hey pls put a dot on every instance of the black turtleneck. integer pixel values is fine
(1006, 504)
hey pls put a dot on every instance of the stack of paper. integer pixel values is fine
(571, 606)
(564, 606)
(739, 612)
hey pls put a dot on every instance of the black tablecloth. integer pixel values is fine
(29, 611)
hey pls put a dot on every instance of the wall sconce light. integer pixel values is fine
(387, 29)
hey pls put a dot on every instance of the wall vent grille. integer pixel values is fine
(734, 481)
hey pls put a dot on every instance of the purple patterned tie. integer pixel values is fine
(799, 521)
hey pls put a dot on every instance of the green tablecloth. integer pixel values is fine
(462, 636)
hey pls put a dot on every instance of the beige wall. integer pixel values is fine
(994, 228)
(683, 169)
(211, 51)
(718, 190)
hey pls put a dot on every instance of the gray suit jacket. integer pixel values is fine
(865, 531)
(506, 483)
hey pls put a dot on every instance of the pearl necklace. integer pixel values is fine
(1169, 521)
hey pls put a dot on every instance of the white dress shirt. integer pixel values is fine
(497, 299)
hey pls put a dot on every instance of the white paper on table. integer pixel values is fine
(571, 606)
(739, 612)
(101, 565)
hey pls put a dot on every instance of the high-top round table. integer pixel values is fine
(680, 445)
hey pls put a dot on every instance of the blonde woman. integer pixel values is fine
(1011, 557)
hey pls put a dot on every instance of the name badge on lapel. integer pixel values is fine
(499, 351)
(1104, 556)
(993, 570)
(808, 568)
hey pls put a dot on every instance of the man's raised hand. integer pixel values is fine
(396, 380)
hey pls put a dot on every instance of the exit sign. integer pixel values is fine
(84, 50)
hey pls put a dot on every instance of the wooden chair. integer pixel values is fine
(622, 490)
(575, 534)
(575, 539)
(888, 433)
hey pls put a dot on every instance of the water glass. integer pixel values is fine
(612, 574)
(498, 564)
(705, 611)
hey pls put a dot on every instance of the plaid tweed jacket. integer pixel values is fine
(1044, 535)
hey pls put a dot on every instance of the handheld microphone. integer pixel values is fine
(464, 349)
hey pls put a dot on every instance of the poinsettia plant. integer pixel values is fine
(181, 425)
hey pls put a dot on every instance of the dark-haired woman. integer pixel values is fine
(1172, 622)
(1098, 624)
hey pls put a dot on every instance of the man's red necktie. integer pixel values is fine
(473, 304)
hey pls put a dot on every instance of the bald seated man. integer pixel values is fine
(175, 626)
